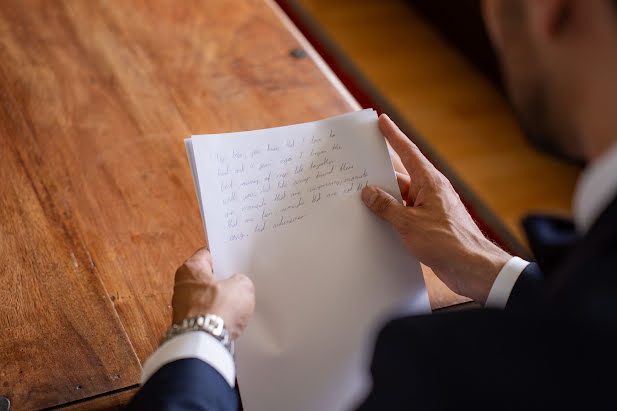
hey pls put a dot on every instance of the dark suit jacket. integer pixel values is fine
(554, 346)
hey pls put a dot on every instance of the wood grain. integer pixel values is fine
(60, 337)
(111, 402)
(97, 203)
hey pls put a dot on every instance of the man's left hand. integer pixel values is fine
(197, 292)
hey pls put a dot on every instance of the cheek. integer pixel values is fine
(491, 22)
(521, 74)
(518, 88)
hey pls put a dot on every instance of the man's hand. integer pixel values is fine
(434, 224)
(198, 292)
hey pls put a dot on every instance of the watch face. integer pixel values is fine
(214, 324)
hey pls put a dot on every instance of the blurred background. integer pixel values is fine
(429, 64)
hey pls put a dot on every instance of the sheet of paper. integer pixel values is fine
(283, 206)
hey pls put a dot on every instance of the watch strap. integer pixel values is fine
(208, 323)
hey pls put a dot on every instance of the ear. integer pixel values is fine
(548, 18)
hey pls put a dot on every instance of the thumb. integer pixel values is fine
(382, 204)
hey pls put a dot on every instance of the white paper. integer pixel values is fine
(283, 206)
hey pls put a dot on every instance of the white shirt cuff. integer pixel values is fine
(194, 344)
(504, 283)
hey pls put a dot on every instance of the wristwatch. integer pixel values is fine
(209, 323)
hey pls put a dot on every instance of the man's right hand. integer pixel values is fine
(434, 224)
(198, 292)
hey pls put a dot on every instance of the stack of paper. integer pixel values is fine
(283, 206)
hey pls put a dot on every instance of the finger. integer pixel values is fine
(197, 268)
(410, 154)
(404, 183)
(396, 160)
(383, 205)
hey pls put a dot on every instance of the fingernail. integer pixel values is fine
(369, 195)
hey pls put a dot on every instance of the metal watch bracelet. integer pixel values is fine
(209, 323)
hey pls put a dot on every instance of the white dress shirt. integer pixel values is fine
(504, 283)
(193, 344)
(595, 189)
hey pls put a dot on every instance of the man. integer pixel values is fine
(544, 341)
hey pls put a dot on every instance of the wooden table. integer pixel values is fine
(97, 206)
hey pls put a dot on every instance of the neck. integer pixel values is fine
(598, 117)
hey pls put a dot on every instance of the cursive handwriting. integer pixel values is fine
(274, 185)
